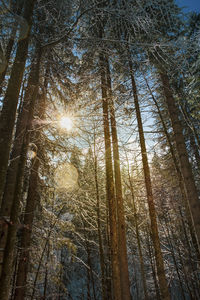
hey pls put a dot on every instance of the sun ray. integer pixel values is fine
(66, 123)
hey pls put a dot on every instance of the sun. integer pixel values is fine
(66, 123)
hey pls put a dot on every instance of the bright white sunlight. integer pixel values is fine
(66, 123)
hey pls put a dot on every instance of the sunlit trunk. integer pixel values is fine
(178, 171)
(101, 252)
(138, 236)
(185, 166)
(110, 186)
(122, 251)
(152, 211)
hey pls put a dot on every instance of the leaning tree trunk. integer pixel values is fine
(110, 186)
(7, 118)
(152, 211)
(122, 251)
(186, 170)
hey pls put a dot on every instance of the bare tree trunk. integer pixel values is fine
(12, 178)
(151, 257)
(30, 204)
(123, 260)
(152, 211)
(46, 273)
(185, 166)
(13, 225)
(167, 234)
(10, 45)
(178, 171)
(110, 186)
(101, 252)
(138, 236)
(26, 233)
(7, 118)
(42, 254)
(195, 149)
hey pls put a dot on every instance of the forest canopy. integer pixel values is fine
(99, 150)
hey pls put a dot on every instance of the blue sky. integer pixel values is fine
(192, 5)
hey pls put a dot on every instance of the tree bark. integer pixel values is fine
(30, 204)
(178, 171)
(138, 236)
(186, 170)
(101, 252)
(15, 175)
(122, 251)
(7, 118)
(26, 233)
(10, 45)
(110, 186)
(152, 211)
(13, 224)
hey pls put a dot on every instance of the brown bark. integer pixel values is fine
(46, 273)
(7, 118)
(101, 252)
(151, 258)
(30, 204)
(152, 211)
(170, 243)
(10, 45)
(13, 224)
(21, 129)
(51, 227)
(185, 166)
(138, 236)
(110, 185)
(178, 171)
(26, 233)
(195, 150)
(15, 176)
(122, 251)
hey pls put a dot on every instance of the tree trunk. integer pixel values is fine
(138, 236)
(101, 252)
(167, 234)
(13, 224)
(110, 186)
(122, 251)
(178, 171)
(26, 233)
(151, 258)
(152, 211)
(7, 118)
(30, 204)
(185, 166)
(10, 46)
(12, 179)
(46, 273)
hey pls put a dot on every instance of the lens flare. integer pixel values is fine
(66, 123)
